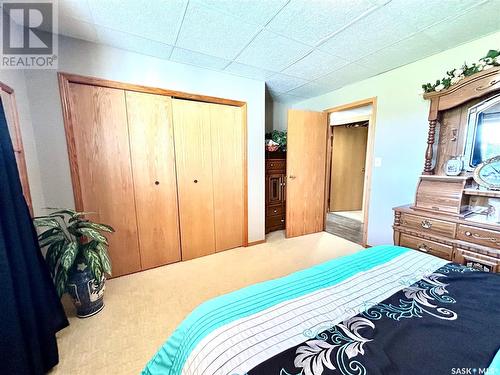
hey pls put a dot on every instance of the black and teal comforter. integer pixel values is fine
(384, 310)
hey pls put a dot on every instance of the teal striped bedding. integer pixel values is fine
(233, 333)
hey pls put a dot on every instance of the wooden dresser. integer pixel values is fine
(275, 191)
(455, 239)
(448, 217)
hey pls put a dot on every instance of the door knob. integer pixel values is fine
(157, 182)
(195, 181)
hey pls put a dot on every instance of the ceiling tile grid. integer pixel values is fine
(301, 48)
(248, 71)
(272, 51)
(281, 83)
(134, 43)
(151, 19)
(314, 65)
(258, 12)
(311, 21)
(196, 58)
(211, 32)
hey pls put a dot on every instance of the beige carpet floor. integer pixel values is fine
(142, 310)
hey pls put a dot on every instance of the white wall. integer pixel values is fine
(280, 115)
(79, 57)
(401, 126)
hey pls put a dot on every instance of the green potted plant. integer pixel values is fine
(279, 137)
(77, 257)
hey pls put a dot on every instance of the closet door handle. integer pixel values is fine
(157, 182)
(195, 181)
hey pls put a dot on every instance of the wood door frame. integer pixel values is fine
(369, 158)
(18, 145)
(66, 78)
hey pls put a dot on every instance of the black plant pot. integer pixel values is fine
(86, 292)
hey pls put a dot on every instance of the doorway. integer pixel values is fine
(349, 145)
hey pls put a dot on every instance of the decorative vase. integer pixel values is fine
(86, 292)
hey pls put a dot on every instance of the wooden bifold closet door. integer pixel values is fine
(104, 183)
(123, 146)
(210, 176)
(153, 169)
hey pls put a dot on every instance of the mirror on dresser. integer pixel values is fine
(456, 212)
(482, 140)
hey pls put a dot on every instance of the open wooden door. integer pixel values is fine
(306, 167)
(348, 168)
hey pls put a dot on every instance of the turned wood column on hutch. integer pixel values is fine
(456, 213)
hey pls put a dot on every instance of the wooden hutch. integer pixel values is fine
(448, 217)
(275, 190)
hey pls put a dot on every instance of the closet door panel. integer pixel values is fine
(193, 156)
(102, 155)
(227, 136)
(153, 169)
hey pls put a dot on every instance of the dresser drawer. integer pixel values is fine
(478, 261)
(427, 225)
(426, 246)
(275, 222)
(276, 164)
(275, 210)
(479, 236)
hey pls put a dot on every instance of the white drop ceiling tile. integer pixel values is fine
(249, 71)
(133, 43)
(77, 29)
(425, 13)
(272, 52)
(152, 19)
(480, 21)
(310, 90)
(310, 21)
(281, 83)
(315, 65)
(407, 51)
(251, 11)
(214, 33)
(199, 59)
(344, 76)
(379, 29)
(77, 9)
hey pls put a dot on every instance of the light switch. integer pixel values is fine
(377, 162)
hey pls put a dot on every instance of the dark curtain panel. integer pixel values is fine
(30, 311)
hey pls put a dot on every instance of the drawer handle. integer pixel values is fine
(272, 165)
(426, 224)
(282, 220)
(479, 237)
(275, 211)
(423, 247)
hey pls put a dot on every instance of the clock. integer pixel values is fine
(487, 174)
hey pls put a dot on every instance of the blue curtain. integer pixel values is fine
(30, 311)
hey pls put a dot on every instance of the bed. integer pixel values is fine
(383, 310)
